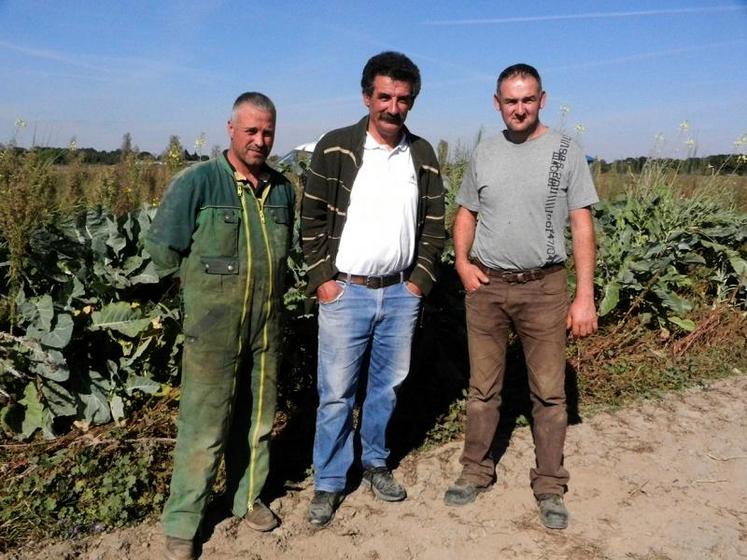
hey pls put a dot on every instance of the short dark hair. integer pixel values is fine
(520, 69)
(259, 100)
(393, 65)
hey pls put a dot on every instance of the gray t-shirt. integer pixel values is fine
(522, 194)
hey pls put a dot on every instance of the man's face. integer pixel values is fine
(388, 105)
(519, 102)
(252, 133)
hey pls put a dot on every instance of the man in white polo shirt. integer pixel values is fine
(372, 231)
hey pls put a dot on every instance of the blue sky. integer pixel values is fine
(627, 70)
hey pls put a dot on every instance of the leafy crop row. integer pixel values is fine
(90, 336)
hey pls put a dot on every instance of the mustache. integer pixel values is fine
(393, 119)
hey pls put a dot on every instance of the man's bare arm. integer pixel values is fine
(464, 235)
(582, 315)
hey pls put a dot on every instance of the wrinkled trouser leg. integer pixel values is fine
(390, 363)
(537, 310)
(384, 318)
(540, 326)
(247, 451)
(487, 334)
(206, 398)
(345, 327)
(226, 408)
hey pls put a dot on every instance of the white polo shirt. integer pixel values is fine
(379, 234)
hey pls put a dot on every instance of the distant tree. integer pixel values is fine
(215, 151)
(126, 148)
(442, 151)
(174, 154)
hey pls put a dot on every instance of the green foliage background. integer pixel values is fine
(90, 335)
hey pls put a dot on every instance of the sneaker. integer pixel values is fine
(552, 511)
(322, 507)
(179, 549)
(462, 492)
(383, 484)
(260, 517)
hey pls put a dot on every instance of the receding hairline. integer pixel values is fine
(255, 99)
(237, 108)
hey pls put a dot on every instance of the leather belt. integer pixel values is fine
(373, 282)
(519, 276)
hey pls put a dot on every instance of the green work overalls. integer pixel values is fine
(231, 246)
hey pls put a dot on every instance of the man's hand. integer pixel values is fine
(413, 289)
(328, 291)
(471, 276)
(582, 318)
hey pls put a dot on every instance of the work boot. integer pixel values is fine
(179, 549)
(552, 511)
(382, 483)
(462, 492)
(322, 507)
(261, 518)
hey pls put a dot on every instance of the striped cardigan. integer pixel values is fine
(329, 180)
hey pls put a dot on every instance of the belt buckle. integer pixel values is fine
(374, 282)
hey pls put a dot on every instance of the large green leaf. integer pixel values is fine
(50, 364)
(121, 317)
(148, 276)
(59, 399)
(131, 264)
(685, 324)
(672, 301)
(93, 398)
(97, 230)
(45, 307)
(117, 407)
(738, 264)
(139, 383)
(33, 413)
(693, 258)
(115, 240)
(611, 298)
(63, 331)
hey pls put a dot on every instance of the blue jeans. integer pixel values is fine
(359, 317)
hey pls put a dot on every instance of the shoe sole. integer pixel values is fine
(554, 525)
(262, 528)
(456, 502)
(376, 492)
(556, 520)
(317, 525)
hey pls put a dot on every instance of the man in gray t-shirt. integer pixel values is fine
(520, 191)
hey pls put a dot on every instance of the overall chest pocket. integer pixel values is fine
(217, 234)
(280, 220)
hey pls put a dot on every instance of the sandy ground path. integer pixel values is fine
(661, 480)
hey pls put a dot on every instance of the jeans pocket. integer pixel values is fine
(337, 298)
(410, 292)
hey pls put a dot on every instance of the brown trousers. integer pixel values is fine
(537, 311)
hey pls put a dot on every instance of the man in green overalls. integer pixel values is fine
(224, 227)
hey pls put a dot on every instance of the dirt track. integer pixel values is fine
(657, 481)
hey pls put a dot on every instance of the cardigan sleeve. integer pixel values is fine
(314, 221)
(433, 234)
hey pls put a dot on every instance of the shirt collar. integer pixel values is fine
(372, 144)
